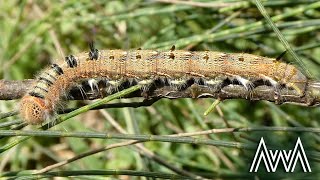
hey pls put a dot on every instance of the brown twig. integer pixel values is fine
(16, 89)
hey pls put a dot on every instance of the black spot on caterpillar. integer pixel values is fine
(71, 61)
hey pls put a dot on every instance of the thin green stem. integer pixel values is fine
(281, 37)
(63, 118)
(138, 137)
(211, 37)
(28, 175)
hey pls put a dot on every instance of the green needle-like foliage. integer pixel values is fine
(170, 139)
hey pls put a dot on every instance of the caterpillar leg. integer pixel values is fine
(248, 85)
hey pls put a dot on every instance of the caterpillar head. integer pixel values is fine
(33, 110)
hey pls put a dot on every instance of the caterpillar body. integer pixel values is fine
(173, 68)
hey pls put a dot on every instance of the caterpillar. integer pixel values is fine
(145, 67)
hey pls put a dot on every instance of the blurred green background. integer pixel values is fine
(35, 33)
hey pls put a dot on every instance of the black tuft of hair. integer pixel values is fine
(71, 61)
(281, 55)
(94, 53)
(57, 69)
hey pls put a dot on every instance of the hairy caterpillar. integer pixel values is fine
(173, 68)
